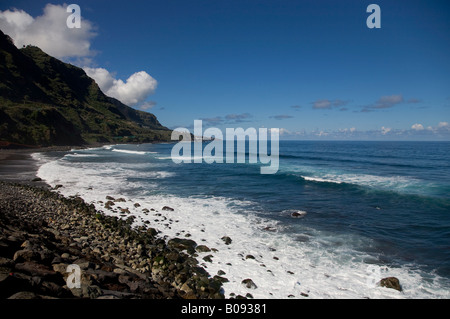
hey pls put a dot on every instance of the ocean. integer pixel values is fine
(336, 218)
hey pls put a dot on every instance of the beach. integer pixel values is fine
(18, 166)
(336, 219)
(43, 233)
(339, 220)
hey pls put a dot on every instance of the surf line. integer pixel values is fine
(213, 152)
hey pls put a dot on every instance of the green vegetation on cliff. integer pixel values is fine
(44, 101)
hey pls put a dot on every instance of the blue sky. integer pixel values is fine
(311, 68)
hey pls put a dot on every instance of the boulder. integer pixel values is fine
(390, 282)
(220, 279)
(109, 204)
(60, 268)
(227, 240)
(152, 231)
(87, 291)
(25, 255)
(187, 292)
(202, 249)
(298, 214)
(182, 244)
(248, 283)
(208, 258)
(6, 262)
(24, 295)
(35, 269)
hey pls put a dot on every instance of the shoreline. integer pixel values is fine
(17, 165)
(223, 255)
(116, 260)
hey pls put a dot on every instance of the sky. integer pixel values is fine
(313, 69)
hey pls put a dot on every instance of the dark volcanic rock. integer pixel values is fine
(249, 284)
(182, 244)
(298, 214)
(391, 282)
(202, 249)
(42, 233)
(48, 102)
(227, 240)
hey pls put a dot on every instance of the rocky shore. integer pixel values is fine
(42, 233)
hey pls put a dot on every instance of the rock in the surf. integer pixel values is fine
(227, 240)
(298, 214)
(249, 283)
(390, 282)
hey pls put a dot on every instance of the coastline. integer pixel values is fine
(17, 165)
(44, 232)
(234, 260)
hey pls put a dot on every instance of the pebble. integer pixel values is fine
(55, 232)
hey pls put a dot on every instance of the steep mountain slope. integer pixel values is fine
(44, 101)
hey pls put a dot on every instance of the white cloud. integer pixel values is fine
(134, 91)
(322, 104)
(322, 133)
(147, 105)
(417, 127)
(280, 131)
(238, 117)
(49, 32)
(388, 101)
(281, 117)
(328, 104)
(283, 131)
(442, 127)
(385, 130)
(104, 79)
(384, 102)
(18, 19)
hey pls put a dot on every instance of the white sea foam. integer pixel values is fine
(386, 182)
(373, 180)
(280, 263)
(406, 184)
(318, 179)
(181, 158)
(81, 155)
(132, 152)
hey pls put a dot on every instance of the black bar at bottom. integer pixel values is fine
(249, 308)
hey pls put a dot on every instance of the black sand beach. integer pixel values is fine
(17, 166)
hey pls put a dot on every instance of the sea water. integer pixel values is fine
(335, 219)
